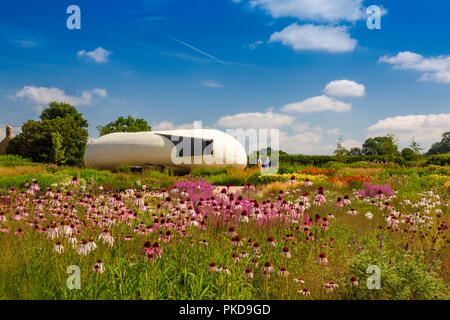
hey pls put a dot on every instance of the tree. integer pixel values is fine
(416, 147)
(380, 146)
(124, 125)
(441, 147)
(60, 137)
(355, 152)
(62, 110)
(340, 149)
(408, 154)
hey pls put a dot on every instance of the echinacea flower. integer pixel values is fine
(283, 272)
(285, 253)
(299, 280)
(98, 267)
(213, 267)
(330, 286)
(248, 274)
(58, 248)
(353, 282)
(305, 292)
(323, 258)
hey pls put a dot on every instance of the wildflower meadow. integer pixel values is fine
(68, 233)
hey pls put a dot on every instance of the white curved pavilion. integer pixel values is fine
(183, 149)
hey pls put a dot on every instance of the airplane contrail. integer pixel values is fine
(199, 51)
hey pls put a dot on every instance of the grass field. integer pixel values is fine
(323, 234)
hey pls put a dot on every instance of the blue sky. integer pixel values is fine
(313, 73)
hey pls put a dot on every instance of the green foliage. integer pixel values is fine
(380, 146)
(60, 137)
(63, 110)
(12, 160)
(441, 147)
(403, 276)
(124, 125)
(408, 154)
(439, 159)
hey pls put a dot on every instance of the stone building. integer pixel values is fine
(4, 142)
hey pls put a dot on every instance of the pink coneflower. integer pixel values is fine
(346, 200)
(139, 201)
(74, 181)
(305, 292)
(256, 248)
(299, 280)
(213, 267)
(353, 282)
(156, 249)
(255, 262)
(19, 232)
(339, 202)
(231, 231)
(237, 240)
(323, 258)
(58, 248)
(146, 249)
(308, 182)
(380, 195)
(83, 248)
(283, 272)
(285, 253)
(270, 242)
(330, 286)
(352, 212)
(244, 217)
(235, 258)
(2, 217)
(248, 274)
(98, 267)
(225, 270)
(92, 245)
(267, 268)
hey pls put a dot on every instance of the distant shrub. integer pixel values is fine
(439, 159)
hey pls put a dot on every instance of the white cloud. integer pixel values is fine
(420, 127)
(212, 84)
(305, 126)
(304, 143)
(98, 55)
(255, 120)
(317, 104)
(313, 10)
(345, 88)
(434, 69)
(253, 45)
(334, 131)
(100, 92)
(168, 125)
(312, 37)
(350, 143)
(41, 96)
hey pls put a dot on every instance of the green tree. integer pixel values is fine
(442, 146)
(380, 146)
(416, 147)
(58, 138)
(124, 125)
(340, 149)
(355, 152)
(408, 154)
(62, 110)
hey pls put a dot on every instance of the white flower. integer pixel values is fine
(369, 215)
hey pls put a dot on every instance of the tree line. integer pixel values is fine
(61, 136)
